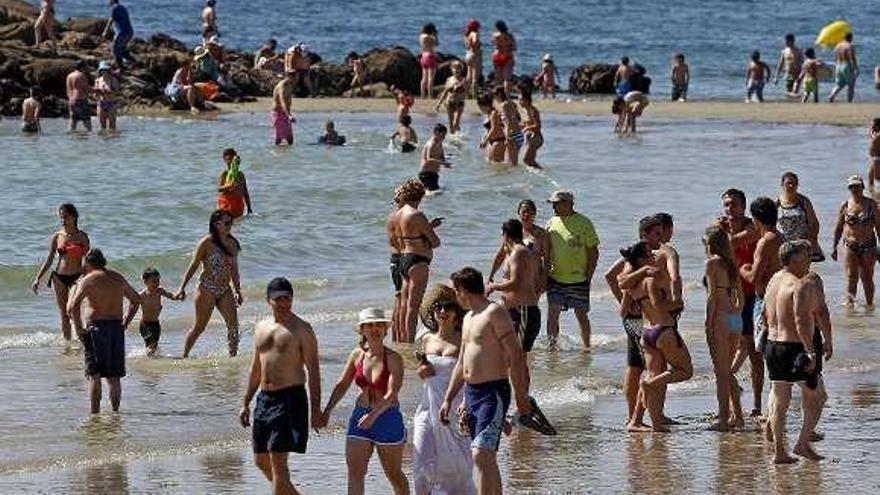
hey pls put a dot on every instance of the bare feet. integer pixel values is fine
(666, 420)
(756, 413)
(817, 436)
(660, 429)
(737, 422)
(807, 452)
(637, 427)
(719, 426)
(784, 459)
(506, 427)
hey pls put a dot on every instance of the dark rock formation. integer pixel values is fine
(592, 78)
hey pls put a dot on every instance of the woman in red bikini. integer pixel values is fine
(70, 244)
(376, 422)
(428, 59)
(502, 58)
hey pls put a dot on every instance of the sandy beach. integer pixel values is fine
(855, 114)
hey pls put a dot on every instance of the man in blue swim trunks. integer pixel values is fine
(846, 69)
(285, 348)
(122, 32)
(490, 360)
(103, 339)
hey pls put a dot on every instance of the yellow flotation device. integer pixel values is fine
(833, 33)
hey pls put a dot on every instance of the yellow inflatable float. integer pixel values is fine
(833, 33)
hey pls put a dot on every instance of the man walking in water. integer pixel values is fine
(490, 360)
(285, 348)
(574, 251)
(765, 262)
(846, 69)
(78, 89)
(791, 59)
(103, 338)
(791, 308)
(282, 115)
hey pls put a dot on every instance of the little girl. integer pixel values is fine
(546, 79)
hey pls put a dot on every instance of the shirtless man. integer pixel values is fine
(78, 90)
(433, 157)
(282, 116)
(297, 61)
(30, 113)
(45, 21)
(285, 348)
(103, 337)
(757, 75)
(534, 237)
(519, 290)
(765, 262)
(873, 154)
(209, 21)
(791, 308)
(490, 360)
(790, 61)
(622, 84)
(744, 239)
(846, 69)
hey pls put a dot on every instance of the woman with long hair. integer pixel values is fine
(503, 60)
(70, 245)
(428, 59)
(376, 422)
(219, 284)
(441, 457)
(724, 323)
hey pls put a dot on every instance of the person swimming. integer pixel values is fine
(330, 136)
(405, 136)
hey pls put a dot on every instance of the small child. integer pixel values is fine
(405, 135)
(357, 67)
(433, 157)
(873, 153)
(546, 79)
(405, 101)
(622, 78)
(757, 74)
(809, 76)
(331, 137)
(151, 307)
(681, 78)
(30, 113)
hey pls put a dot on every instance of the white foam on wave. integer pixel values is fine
(31, 340)
(576, 390)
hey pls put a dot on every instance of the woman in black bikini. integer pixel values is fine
(70, 245)
(858, 222)
(413, 236)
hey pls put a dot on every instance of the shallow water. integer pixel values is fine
(145, 197)
(716, 35)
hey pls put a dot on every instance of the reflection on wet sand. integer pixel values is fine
(223, 468)
(864, 395)
(103, 479)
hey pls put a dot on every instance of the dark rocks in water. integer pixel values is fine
(91, 26)
(50, 75)
(395, 66)
(592, 78)
(332, 79)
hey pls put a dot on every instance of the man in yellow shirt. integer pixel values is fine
(574, 251)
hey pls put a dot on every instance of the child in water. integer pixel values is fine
(546, 79)
(405, 136)
(357, 67)
(873, 153)
(757, 74)
(331, 137)
(681, 78)
(809, 76)
(151, 307)
(405, 101)
(433, 157)
(233, 190)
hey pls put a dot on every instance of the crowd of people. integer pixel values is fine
(764, 305)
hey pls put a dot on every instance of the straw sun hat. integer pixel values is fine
(438, 294)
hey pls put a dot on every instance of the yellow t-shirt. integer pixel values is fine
(570, 237)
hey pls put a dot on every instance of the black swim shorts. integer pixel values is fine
(785, 363)
(635, 355)
(104, 349)
(281, 421)
(396, 274)
(431, 180)
(150, 331)
(527, 323)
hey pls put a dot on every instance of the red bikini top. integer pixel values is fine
(381, 383)
(72, 249)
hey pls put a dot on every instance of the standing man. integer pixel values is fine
(519, 290)
(667, 256)
(574, 251)
(791, 59)
(765, 262)
(209, 21)
(846, 68)
(791, 309)
(490, 359)
(103, 337)
(282, 115)
(78, 89)
(744, 240)
(122, 33)
(285, 348)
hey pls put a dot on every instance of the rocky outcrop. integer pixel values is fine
(592, 78)
(395, 66)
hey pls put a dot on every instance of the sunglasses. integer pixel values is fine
(445, 307)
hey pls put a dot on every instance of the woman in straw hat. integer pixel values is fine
(441, 455)
(376, 422)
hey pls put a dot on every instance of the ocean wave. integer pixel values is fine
(31, 340)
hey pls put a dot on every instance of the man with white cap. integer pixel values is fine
(285, 348)
(574, 251)
(297, 61)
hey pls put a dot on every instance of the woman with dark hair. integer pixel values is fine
(428, 59)
(441, 457)
(667, 357)
(473, 56)
(797, 218)
(375, 422)
(531, 130)
(219, 284)
(493, 141)
(724, 323)
(858, 223)
(503, 60)
(70, 244)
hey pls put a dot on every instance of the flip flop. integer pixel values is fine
(536, 420)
